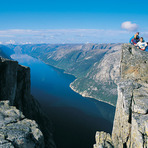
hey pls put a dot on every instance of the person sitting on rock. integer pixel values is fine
(137, 33)
(135, 40)
(142, 44)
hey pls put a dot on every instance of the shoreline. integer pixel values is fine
(89, 96)
(76, 91)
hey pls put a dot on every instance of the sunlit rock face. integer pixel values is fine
(131, 118)
(134, 64)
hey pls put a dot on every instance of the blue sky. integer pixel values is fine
(74, 17)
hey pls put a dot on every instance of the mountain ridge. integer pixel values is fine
(83, 61)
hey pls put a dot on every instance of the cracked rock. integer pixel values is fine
(16, 130)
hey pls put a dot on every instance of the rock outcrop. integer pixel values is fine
(15, 87)
(130, 127)
(16, 130)
(103, 140)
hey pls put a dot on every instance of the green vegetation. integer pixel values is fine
(82, 61)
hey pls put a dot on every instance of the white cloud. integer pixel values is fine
(16, 36)
(129, 26)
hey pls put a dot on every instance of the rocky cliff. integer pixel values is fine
(130, 127)
(15, 87)
(16, 130)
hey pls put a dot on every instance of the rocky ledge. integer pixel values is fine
(16, 130)
(130, 129)
(15, 88)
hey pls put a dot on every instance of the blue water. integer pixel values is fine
(74, 117)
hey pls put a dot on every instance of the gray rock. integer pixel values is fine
(140, 100)
(134, 63)
(15, 87)
(16, 130)
(103, 140)
(130, 128)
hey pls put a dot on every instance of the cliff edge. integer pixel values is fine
(130, 129)
(15, 88)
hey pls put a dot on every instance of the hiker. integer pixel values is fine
(137, 33)
(142, 44)
(135, 40)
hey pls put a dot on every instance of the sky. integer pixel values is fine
(78, 21)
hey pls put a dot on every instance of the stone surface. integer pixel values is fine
(130, 129)
(134, 63)
(15, 87)
(16, 130)
(103, 140)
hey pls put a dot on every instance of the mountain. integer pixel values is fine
(130, 128)
(5, 51)
(15, 97)
(95, 66)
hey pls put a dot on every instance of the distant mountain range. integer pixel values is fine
(95, 66)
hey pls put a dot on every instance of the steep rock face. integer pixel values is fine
(131, 118)
(15, 87)
(15, 81)
(100, 81)
(16, 130)
(134, 64)
(131, 112)
(95, 66)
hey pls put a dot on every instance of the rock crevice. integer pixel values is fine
(16, 130)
